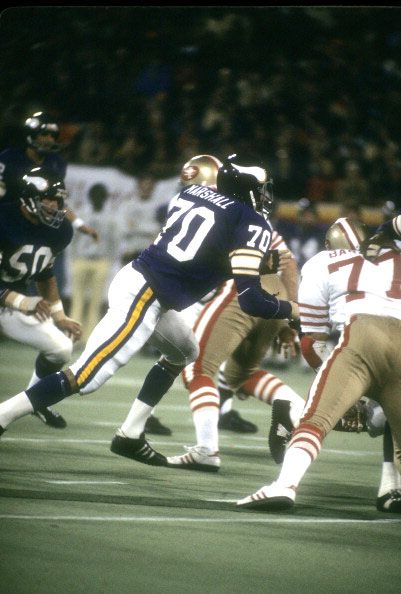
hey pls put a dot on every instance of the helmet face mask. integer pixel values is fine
(201, 170)
(345, 234)
(39, 195)
(40, 125)
(250, 185)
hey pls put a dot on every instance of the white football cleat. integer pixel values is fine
(271, 497)
(196, 458)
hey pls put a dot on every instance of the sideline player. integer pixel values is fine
(341, 285)
(209, 237)
(32, 232)
(40, 149)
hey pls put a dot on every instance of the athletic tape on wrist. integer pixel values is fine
(77, 223)
(57, 310)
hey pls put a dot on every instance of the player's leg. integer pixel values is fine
(230, 419)
(130, 320)
(244, 374)
(218, 335)
(327, 402)
(80, 273)
(389, 492)
(100, 271)
(54, 347)
(179, 347)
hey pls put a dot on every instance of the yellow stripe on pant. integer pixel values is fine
(115, 344)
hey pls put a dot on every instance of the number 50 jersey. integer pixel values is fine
(27, 251)
(207, 239)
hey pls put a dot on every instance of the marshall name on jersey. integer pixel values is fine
(27, 251)
(207, 239)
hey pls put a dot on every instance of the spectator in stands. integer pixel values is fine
(305, 238)
(353, 186)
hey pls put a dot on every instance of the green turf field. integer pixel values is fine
(76, 518)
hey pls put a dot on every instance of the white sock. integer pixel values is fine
(134, 424)
(390, 478)
(14, 408)
(206, 427)
(34, 379)
(226, 406)
(296, 462)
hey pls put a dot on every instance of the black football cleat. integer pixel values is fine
(51, 417)
(1, 430)
(155, 427)
(137, 449)
(390, 502)
(232, 421)
(280, 429)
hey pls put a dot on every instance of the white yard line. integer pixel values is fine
(175, 520)
(85, 482)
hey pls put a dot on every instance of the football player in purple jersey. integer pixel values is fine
(32, 232)
(209, 237)
(41, 149)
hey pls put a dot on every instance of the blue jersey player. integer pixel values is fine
(209, 236)
(41, 149)
(32, 232)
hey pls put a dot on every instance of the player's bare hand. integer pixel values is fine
(285, 258)
(70, 327)
(42, 310)
(286, 342)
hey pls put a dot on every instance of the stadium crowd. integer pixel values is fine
(313, 92)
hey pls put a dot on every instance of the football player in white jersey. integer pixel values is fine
(340, 286)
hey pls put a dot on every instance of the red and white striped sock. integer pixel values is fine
(302, 450)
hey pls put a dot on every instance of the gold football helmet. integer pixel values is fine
(345, 234)
(201, 170)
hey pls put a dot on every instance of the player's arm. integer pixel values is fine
(315, 348)
(24, 303)
(48, 290)
(252, 298)
(80, 225)
(281, 259)
(384, 237)
(290, 278)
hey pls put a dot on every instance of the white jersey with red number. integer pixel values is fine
(375, 288)
(338, 283)
(322, 290)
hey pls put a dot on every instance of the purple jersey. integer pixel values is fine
(194, 252)
(14, 164)
(27, 251)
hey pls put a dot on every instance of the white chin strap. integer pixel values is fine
(253, 199)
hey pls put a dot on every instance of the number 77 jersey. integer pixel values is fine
(207, 239)
(338, 283)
